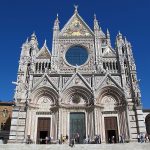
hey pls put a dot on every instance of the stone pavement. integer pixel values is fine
(128, 146)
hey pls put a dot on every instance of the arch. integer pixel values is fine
(113, 92)
(47, 92)
(147, 123)
(85, 95)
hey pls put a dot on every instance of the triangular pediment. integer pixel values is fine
(76, 27)
(109, 52)
(44, 53)
(77, 80)
(44, 81)
(108, 81)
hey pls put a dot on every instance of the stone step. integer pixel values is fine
(127, 146)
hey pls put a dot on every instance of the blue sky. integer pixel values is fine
(18, 19)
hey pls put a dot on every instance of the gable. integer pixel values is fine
(109, 52)
(77, 80)
(76, 27)
(43, 54)
(108, 81)
(44, 81)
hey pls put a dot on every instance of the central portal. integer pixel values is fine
(77, 126)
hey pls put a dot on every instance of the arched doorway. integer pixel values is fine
(113, 114)
(43, 101)
(147, 123)
(76, 100)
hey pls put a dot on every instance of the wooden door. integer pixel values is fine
(111, 129)
(43, 129)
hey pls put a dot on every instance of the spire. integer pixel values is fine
(33, 40)
(125, 40)
(33, 36)
(56, 23)
(45, 44)
(119, 36)
(96, 25)
(76, 9)
(108, 34)
(108, 37)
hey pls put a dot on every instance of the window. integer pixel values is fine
(76, 55)
(5, 113)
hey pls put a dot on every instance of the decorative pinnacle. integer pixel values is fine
(108, 32)
(95, 16)
(57, 17)
(45, 43)
(33, 36)
(119, 33)
(76, 8)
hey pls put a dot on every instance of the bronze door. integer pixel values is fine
(111, 129)
(77, 126)
(43, 130)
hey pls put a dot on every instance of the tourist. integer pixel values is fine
(113, 139)
(77, 138)
(123, 138)
(138, 137)
(120, 139)
(46, 140)
(146, 138)
(149, 137)
(72, 143)
(49, 139)
(88, 139)
(141, 138)
(66, 138)
(99, 138)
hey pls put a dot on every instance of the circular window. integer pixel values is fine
(76, 55)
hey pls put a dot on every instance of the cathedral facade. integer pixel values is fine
(82, 86)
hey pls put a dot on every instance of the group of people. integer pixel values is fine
(95, 140)
(141, 138)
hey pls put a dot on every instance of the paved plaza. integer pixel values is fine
(127, 146)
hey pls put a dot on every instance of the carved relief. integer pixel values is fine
(44, 102)
(108, 103)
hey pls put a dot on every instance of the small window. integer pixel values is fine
(5, 113)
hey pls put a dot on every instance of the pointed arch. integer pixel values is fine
(84, 93)
(114, 92)
(44, 91)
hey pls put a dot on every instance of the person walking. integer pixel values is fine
(72, 143)
(138, 137)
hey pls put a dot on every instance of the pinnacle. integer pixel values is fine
(108, 32)
(119, 33)
(76, 9)
(45, 44)
(95, 16)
